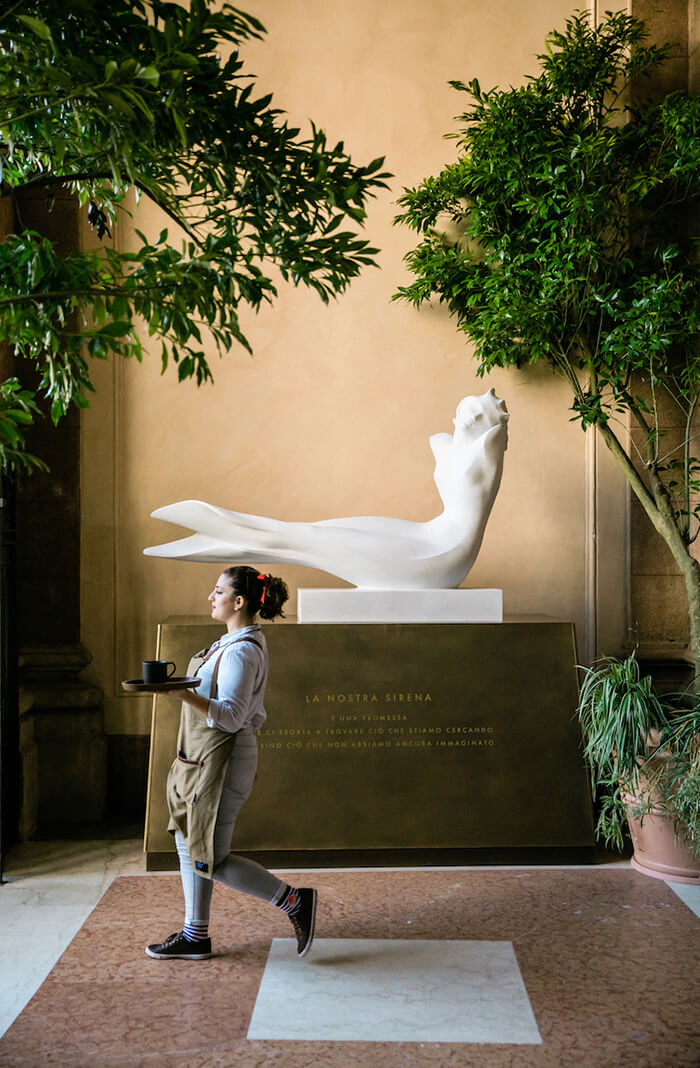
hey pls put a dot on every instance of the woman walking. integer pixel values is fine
(214, 771)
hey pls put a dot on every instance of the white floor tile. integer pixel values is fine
(689, 894)
(51, 889)
(396, 990)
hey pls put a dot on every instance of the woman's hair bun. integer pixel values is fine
(265, 594)
(276, 593)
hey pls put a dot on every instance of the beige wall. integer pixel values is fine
(332, 414)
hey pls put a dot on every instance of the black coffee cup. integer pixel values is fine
(157, 670)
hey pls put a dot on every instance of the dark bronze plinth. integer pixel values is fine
(401, 737)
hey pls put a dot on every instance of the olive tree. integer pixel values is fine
(572, 204)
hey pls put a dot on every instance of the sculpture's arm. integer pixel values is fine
(440, 443)
(495, 443)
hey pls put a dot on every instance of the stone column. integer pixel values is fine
(62, 742)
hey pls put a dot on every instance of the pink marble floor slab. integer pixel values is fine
(608, 958)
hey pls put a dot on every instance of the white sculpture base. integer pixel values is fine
(400, 606)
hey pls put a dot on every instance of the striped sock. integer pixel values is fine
(196, 932)
(291, 902)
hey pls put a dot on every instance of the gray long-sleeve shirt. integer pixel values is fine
(240, 684)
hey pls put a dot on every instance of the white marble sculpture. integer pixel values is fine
(371, 551)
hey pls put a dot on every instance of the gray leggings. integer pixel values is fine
(237, 872)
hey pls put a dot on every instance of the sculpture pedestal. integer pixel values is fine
(400, 742)
(400, 606)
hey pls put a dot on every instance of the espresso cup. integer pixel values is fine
(157, 670)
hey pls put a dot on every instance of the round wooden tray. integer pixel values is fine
(175, 682)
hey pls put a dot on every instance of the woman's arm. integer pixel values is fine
(192, 698)
(238, 673)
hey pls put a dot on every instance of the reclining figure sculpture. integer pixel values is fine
(371, 551)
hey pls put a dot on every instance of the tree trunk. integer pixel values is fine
(658, 508)
(691, 574)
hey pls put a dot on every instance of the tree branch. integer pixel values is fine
(47, 108)
(63, 294)
(171, 213)
(657, 507)
(58, 179)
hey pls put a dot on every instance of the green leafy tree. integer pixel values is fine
(571, 210)
(151, 97)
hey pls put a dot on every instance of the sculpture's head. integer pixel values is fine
(478, 414)
(473, 455)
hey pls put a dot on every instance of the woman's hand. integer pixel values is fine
(179, 695)
(155, 688)
(193, 699)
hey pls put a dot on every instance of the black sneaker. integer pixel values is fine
(176, 947)
(304, 920)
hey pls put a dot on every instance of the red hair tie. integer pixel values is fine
(265, 579)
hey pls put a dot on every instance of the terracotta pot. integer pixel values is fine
(657, 851)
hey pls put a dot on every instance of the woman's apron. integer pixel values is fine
(196, 777)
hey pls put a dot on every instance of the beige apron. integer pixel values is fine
(196, 777)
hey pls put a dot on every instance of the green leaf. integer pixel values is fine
(36, 26)
(148, 74)
(118, 329)
(118, 103)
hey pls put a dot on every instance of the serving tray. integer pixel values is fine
(173, 683)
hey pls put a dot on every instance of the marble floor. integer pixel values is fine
(524, 967)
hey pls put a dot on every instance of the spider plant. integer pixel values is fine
(642, 751)
(676, 779)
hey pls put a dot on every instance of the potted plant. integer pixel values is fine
(644, 756)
